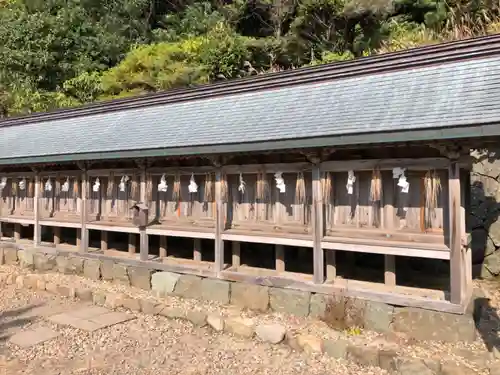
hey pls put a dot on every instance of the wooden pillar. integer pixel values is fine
(163, 246)
(131, 243)
(57, 235)
(37, 229)
(79, 238)
(331, 265)
(219, 223)
(458, 263)
(197, 250)
(280, 258)
(236, 249)
(317, 226)
(84, 233)
(390, 270)
(143, 236)
(104, 240)
(17, 232)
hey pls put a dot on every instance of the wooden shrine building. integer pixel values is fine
(366, 156)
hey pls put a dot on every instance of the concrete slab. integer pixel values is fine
(89, 312)
(90, 318)
(111, 318)
(32, 337)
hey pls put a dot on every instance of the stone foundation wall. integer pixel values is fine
(339, 312)
(483, 216)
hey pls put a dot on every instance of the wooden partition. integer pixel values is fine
(60, 197)
(17, 196)
(111, 194)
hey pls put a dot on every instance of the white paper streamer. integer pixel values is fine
(96, 186)
(193, 187)
(65, 186)
(241, 187)
(3, 183)
(162, 186)
(123, 183)
(280, 182)
(351, 179)
(22, 184)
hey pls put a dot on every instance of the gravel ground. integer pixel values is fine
(147, 345)
(157, 345)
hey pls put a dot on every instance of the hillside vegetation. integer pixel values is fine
(62, 53)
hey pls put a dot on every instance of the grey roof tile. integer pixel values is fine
(461, 93)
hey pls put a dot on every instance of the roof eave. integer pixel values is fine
(473, 131)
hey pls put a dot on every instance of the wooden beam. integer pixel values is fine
(143, 236)
(84, 233)
(104, 240)
(331, 266)
(37, 229)
(197, 249)
(458, 263)
(317, 226)
(236, 249)
(280, 258)
(17, 232)
(390, 270)
(57, 236)
(163, 246)
(131, 243)
(219, 223)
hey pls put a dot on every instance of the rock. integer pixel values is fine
(198, 318)
(26, 259)
(70, 266)
(149, 307)
(41, 284)
(44, 262)
(310, 344)
(378, 316)
(10, 256)
(99, 298)
(450, 368)
(140, 277)
(131, 304)
(51, 288)
(387, 360)
(66, 291)
(239, 327)
(114, 300)
(289, 301)
(188, 286)
(163, 283)
(107, 269)
(31, 281)
(20, 282)
(336, 348)
(317, 306)
(412, 366)
(363, 355)
(216, 322)
(431, 325)
(254, 297)
(92, 269)
(84, 294)
(272, 333)
(215, 290)
(172, 312)
(120, 274)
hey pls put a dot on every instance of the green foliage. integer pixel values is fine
(60, 53)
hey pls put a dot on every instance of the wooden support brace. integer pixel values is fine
(280, 258)
(458, 262)
(17, 232)
(104, 240)
(143, 236)
(131, 243)
(236, 249)
(37, 230)
(317, 226)
(163, 246)
(57, 235)
(197, 250)
(83, 231)
(390, 270)
(331, 265)
(219, 223)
